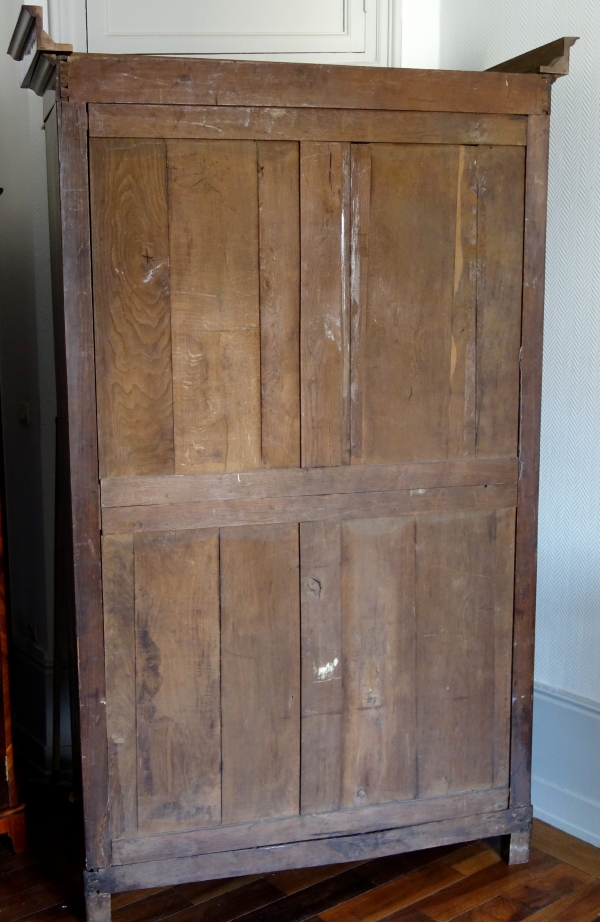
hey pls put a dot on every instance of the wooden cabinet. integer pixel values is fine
(299, 316)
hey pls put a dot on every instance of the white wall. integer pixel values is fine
(475, 34)
(26, 383)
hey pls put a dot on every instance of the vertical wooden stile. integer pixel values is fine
(76, 387)
(325, 219)
(279, 259)
(499, 298)
(119, 639)
(322, 666)
(463, 359)
(536, 186)
(359, 276)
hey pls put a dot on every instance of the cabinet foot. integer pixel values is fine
(515, 847)
(12, 824)
(97, 906)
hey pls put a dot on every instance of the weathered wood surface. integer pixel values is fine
(324, 341)
(72, 284)
(322, 659)
(274, 124)
(279, 269)
(552, 58)
(529, 440)
(260, 655)
(215, 316)
(270, 511)
(119, 638)
(178, 704)
(138, 849)
(309, 854)
(130, 246)
(463, 563)
(196, 81)
(193, 488)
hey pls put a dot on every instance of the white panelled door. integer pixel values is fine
(336, 31)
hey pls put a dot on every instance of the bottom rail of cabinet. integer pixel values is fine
(265, 859)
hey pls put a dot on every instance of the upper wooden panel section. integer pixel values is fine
(196, 81)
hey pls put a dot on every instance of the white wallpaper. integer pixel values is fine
(476, 34)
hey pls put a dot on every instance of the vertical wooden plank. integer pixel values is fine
(321, 646)
(178, 679)
(359, 277)
(261, 672)
(279, 241)
(499, 294)
(504, 570)
(324, 210)
(536, 179)
(130, 239)
(68, 179)
(403, 356)
(463, 367)
(378, 646)
(213, 219)
(119, 640)
(459, 618)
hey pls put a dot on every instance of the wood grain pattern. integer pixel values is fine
(130, 238)
(402, 357)
(462, 421)
(378, 603)
(194, 488)
(132, 78)
(279, 239)
(277, 124)
(72, 283)
(306, 827)
(119, 640)
(322, 666)
(536, 172)
(260, 668)
(499, 295)
(273, 510)
(178, 680)
(213, 215)
(463, 625)
(324, 344)
(308, 854)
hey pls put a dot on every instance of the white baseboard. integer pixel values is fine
(565, 788)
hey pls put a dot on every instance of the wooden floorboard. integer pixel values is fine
(466, 883)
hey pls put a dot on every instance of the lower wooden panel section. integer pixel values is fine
(260, 672)
(177, 680)
(308, 854)
(312, 827)
(294, 680)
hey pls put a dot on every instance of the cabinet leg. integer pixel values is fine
(16, 832)
(515, 847)
(97, 906)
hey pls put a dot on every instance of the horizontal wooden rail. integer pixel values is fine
(270, 511)
(233, 122)
(136, 849)
(359, 478)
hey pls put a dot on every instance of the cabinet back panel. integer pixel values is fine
(292, 653)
